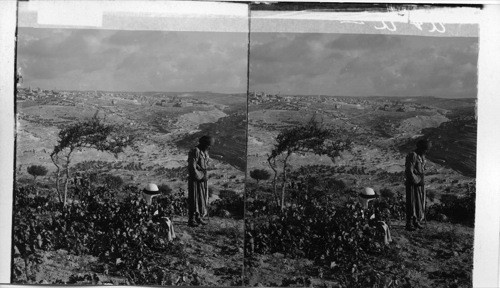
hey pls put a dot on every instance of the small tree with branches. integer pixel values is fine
(260, 174)
(311, 137)
(37, 170)
(93, 134)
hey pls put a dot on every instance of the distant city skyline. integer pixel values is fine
(132, 61)
(363, 65)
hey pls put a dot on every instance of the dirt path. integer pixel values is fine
(216, 249)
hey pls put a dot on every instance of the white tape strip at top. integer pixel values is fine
(73, 13)
(159, 15)
(455, 22)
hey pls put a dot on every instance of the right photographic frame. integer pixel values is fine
(361, 156)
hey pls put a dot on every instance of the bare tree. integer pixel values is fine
(311, 137)
(85, 134)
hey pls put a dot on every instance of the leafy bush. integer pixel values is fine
(260, 174)
(229, 201)
(392, 207)
(178, 200)
(457, 209)
(124, 235)
(332, 236)
(37, 170)
(431, 195)
(338, 237)
(165, 189)
(387, 193)
(113, 181)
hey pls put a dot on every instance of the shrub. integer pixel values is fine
(121, 234)
(229, 201)
(326, 234)
(113, 181)
(387, 193)
(431, 195)
(223, 194)
(394, 207)
(165, 189)
(458, 209)
(260, 174)
(37, 170)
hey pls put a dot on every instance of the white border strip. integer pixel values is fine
(416, 21)
(462, 15)
(7, 34)
(487, 232)
(487, 228)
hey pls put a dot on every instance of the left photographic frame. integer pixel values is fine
(114, 180)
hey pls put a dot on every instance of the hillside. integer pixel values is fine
(86, 242)
(322, 192)
(158, 121)
(383, 130)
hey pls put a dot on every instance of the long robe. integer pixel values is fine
(415, 190)
(197, 183)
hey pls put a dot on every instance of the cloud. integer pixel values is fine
(446, 71)
(290, 58)
(133, 60)
(364, 42)
(364, 65)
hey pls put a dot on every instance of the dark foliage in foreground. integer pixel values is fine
(126, 236)
(323, 223)
(458, 209)
(229, 204)
(338, 238)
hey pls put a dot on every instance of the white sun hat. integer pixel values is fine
(151, 189)
(366, 196)
(149, 192)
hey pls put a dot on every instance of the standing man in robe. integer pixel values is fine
(415, 190)
(197, 182)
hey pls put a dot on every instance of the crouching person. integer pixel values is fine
(159, 217)
(364, 198)
(150, 192)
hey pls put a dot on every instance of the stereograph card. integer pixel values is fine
(249, 144)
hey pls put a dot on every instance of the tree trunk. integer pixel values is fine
(256, 191)
(275, 188)
(66, 181)
(26, 263)
(283, 189)
(58, 185)
(58, 178)
(283, 184)
(275, 178)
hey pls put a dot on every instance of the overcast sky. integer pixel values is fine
(133, 60)
(363, 65)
